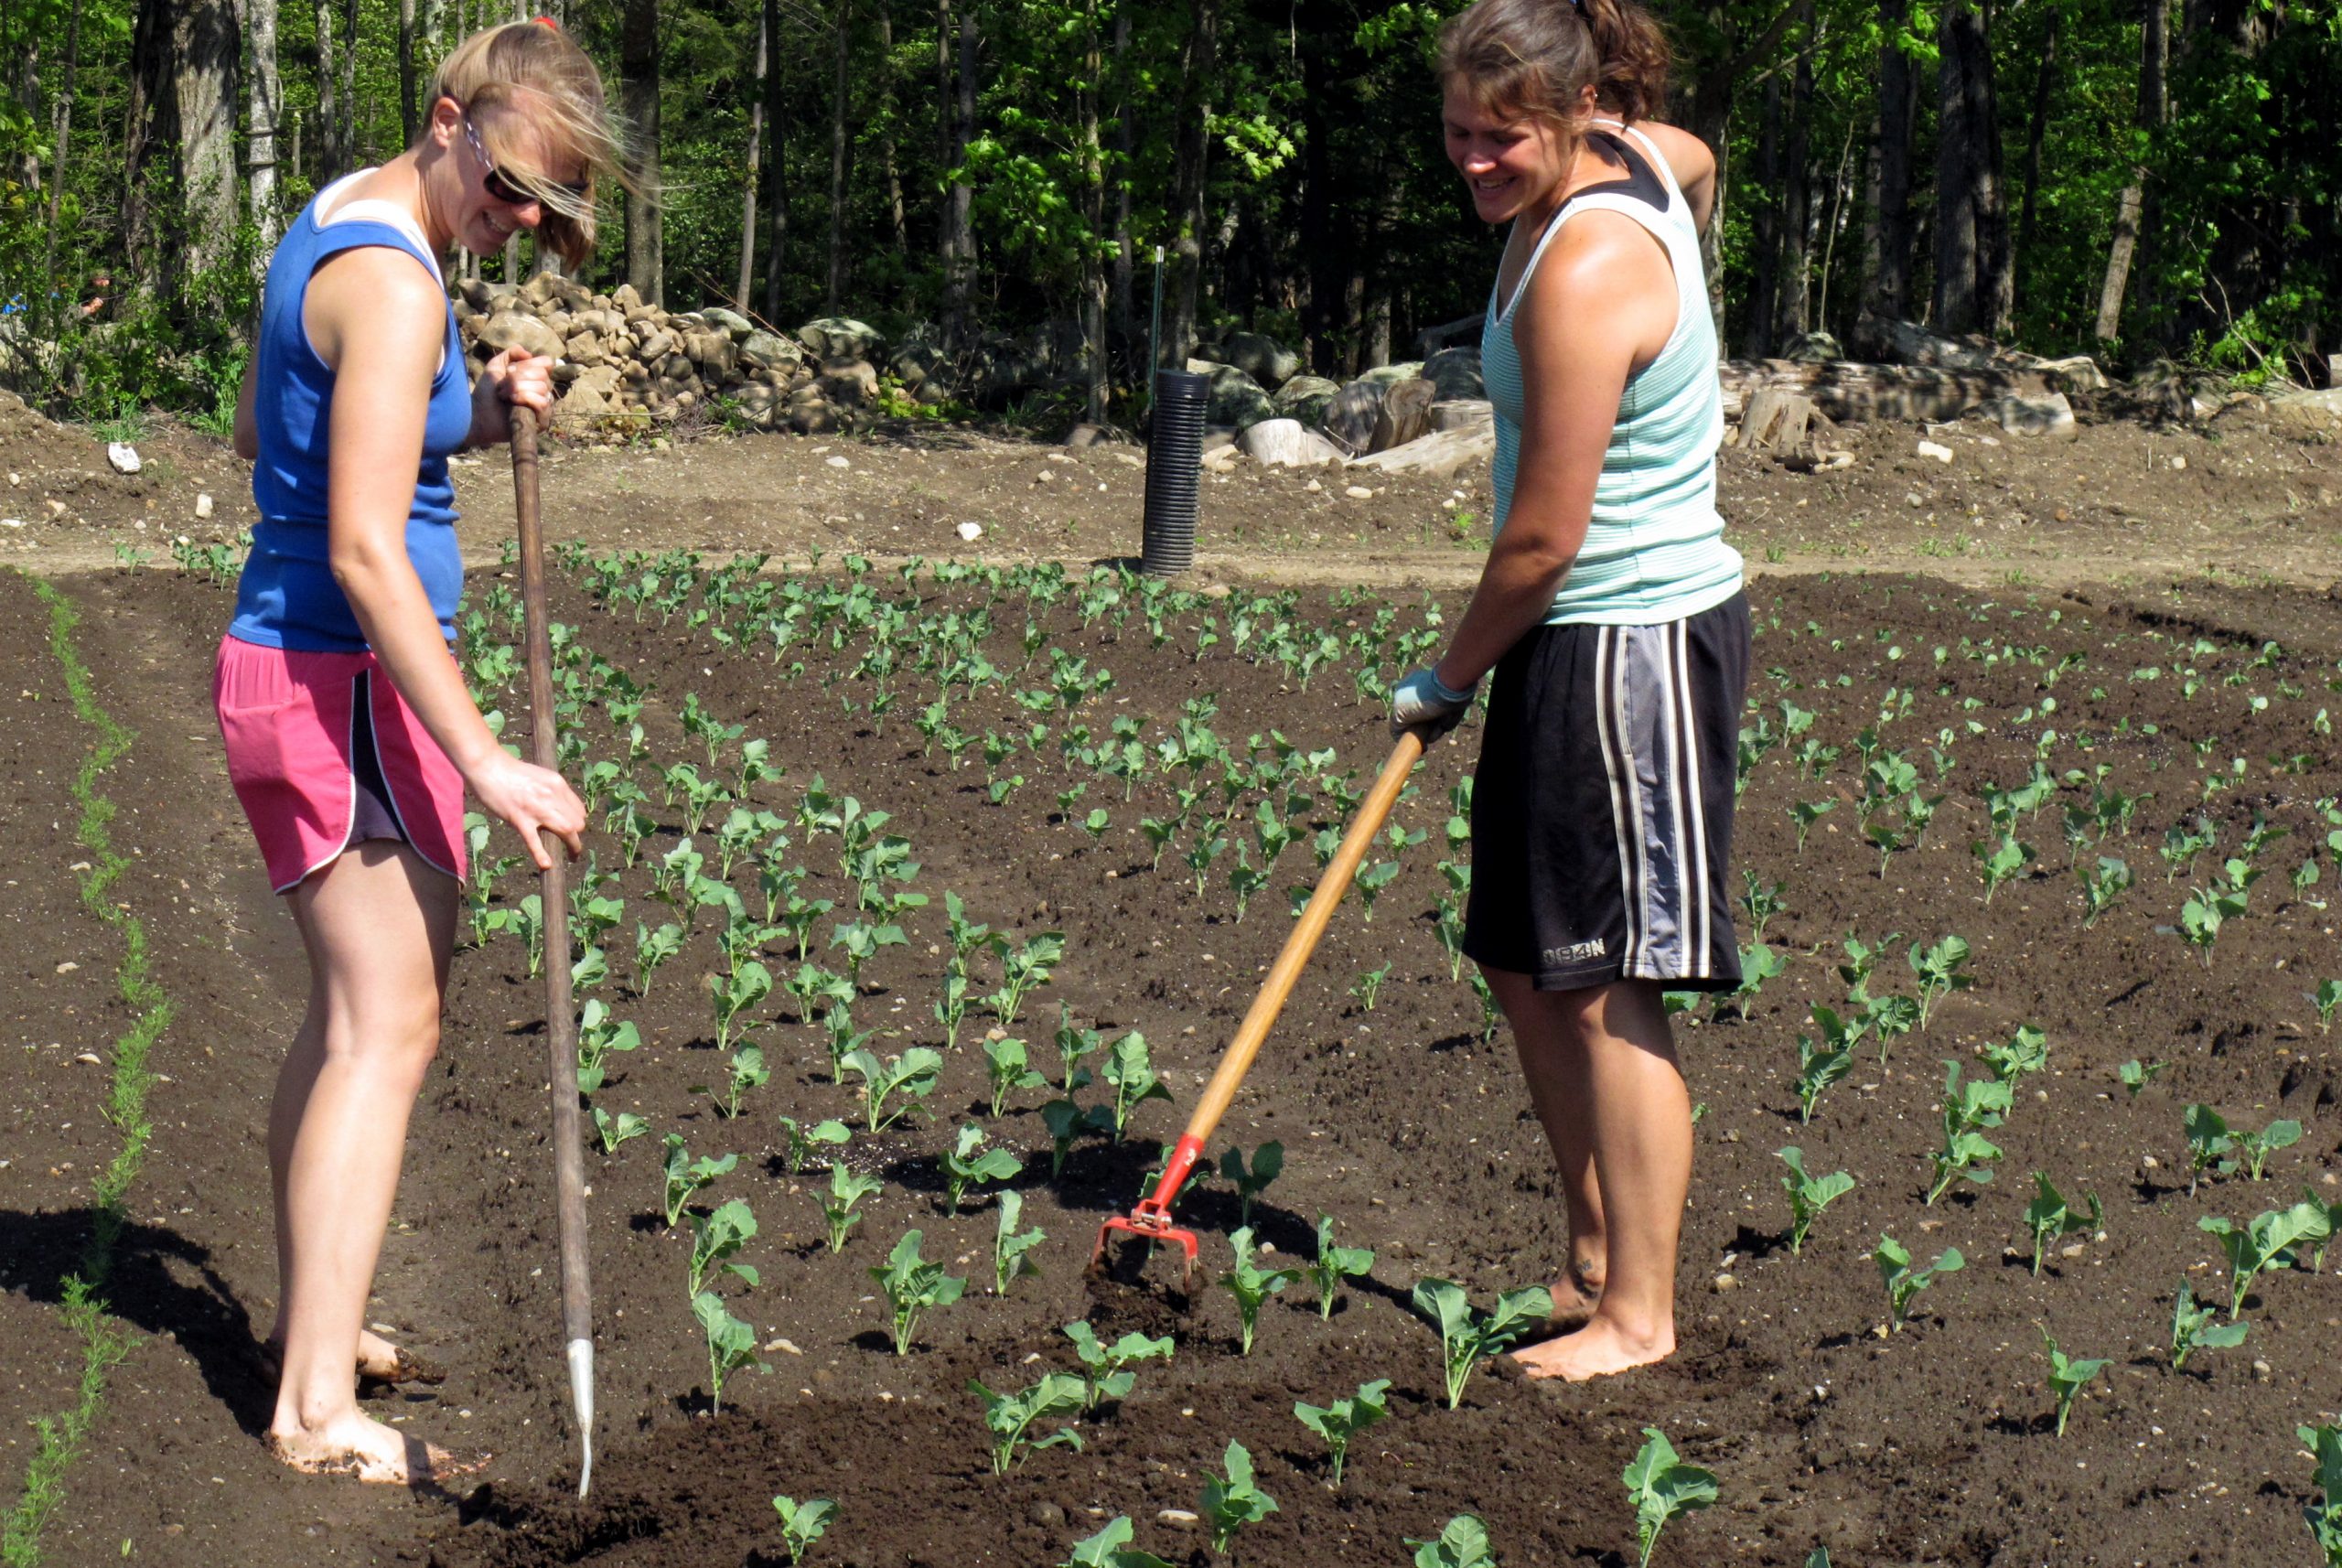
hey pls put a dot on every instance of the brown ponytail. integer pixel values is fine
(1536, 58)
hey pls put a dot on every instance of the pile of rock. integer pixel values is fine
(622, 359)
(1429, 415)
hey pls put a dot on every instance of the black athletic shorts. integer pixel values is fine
(1601, 805)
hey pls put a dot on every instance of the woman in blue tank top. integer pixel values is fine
(1611, 616)
(350, 732)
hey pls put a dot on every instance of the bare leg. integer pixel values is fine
(379, 925)
(1615, 1041)
(1562, 1094)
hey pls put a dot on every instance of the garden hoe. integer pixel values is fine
(1151, 1220)
(560, 1016)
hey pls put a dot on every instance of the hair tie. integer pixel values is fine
(549, 21)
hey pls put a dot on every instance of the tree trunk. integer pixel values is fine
(267, 101)
(2044, 81)
(777, 190)
(1888, 236)
(960, 250)
(347, 99)
(148, 116)
(1122, 285)
(748, 180)
(1198, 62)
(840, 102)
(1789, 318)
(206, 47)
(1764, 285)
(2155, 108)
(330, 164)
(638, 96)
(1325, 269)
(60, 130)
(887, 137)
(1093, 220)
(1971, 241)
(407, 89)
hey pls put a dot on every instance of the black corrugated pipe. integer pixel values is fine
(1175, 452)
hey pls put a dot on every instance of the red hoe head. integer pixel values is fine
(1151, 1220)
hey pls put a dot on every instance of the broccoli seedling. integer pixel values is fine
(1006, 1070)
(2325, 1516)
(1468, 1338)
(2028, 1051)
(1966, 1109)
(1903, 1282)
(1232, 1501)
(1941, 970)
(1010, 1417)
(1809, 1196)
(1662, 1487)
(1110, 1548)
(735, 994)
(846, 1189)
(716, 1236)
(599, 1036)
(744, 1071)
(2068, 1376)
(1250, 1285)
(685, 1176)
(2192, 1328)
(614, 1132)
(1268, 1164)
(2049, 1217)
(1463, 1543)
(1133, 1078)
(1102, 1374)
(1067, 1122)
(1332, 1264)
(2001, 859)
(2209, 1144)
(1009, 1246)
(2258, 1146)
(1075, 1044)
(913, 1286)
(911, 1075)
(1345, 1419)
(1824, 1062)
(2328, 995)
(801, 1524)
(2135, 1075)
(799, 1148)
(971, 1165)
(2266, 1242)
(731, 1345)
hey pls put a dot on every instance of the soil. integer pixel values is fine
(1931, 1445)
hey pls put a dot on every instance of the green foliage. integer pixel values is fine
(1010, 1417)
(731, 1344)
(2268, 1241)
(971, 1165)
(1463, 1542)
(2049, 1217)
(2068, 1376)
(2192, 1328)
(685, 1176)
(1468, 1338)
(1338, 1422)
(1903, 1282)
(1233, 1501)
(1809, 1196)
(2324, 1515)
(801, 1524)
(1662, 1487)
(1334, 1264)
(1010, 1245)
(1252, 1285)
(1110, 1548)
(1103, 1367)
(913, 1286)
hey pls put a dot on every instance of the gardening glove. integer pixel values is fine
(1422, 700)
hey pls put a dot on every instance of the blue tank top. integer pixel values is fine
(288, 598)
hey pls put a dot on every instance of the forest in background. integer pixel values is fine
(2140, 180)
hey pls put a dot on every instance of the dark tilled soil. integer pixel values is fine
(1928, 1445)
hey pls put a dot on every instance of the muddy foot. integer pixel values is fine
(379, 1361)
(359, 1447)
(1596, 1350)
(1575, 1296)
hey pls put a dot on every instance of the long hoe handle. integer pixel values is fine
(560, 1016)
(1299, 943)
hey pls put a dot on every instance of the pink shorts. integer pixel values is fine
(325, 753)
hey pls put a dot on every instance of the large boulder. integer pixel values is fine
(916, 364)
(730, 321)
(841, 337)
(1350, 416)
(1405, 414)
(593, 394)
(1267, 361)
(1391, 375)
(1286, 443)
(1463, 414)
(848, 383)
(517, 329)
(1304, 397)
(1438, 454)
(1456, 373)
(1236, 398)
(770, 351)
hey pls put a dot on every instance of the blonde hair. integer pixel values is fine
(532, 71)
(1536, 58)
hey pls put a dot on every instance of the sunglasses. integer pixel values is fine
(494, 181)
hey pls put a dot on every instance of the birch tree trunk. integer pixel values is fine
(841, 99)
(267, 104)
(60, 130)
(406, 74)
(638, 96)
(748, 182)
(1198, 61)
(1887, 234)
(1093, 220)
(2154, 108)
(330, 166)
(206, 46)
(959, 264)
(776, 191)
(887, 137)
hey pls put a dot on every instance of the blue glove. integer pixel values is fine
(1422, 700)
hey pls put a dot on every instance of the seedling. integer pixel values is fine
(799, 1141)
(2135, 1075)
(614, 1132)
(1250, 1285)
(715, 1237)
(1334, 1264)
(2002, 859)
(1805, 813)
(1940, 971)
(2068, 1376)
(731, 1345)
(1903, 1282)
(2258, 1146)
(1809, 1196)
(844, 1039)
(847, 1188)
(1268, 1162)
(971, 1165)
(913, 1287)
(1967, 1109)
(1010, 1417)
(1662, 1486)
(1468, 1338)
(1231, 1502)
(2324, 1515)
(652, 948)
(801, 1524)
(1824, 1062)
(2103, 886)
(2050, 1216)
(2028, 1051)
(745, 1070)
(1102, 1374)
(1025, 969)
(2327, 995)
(1132, 1076)
(1368, 986)
(1006, 1070)
(1075, 1045)
(2210, 1144)
(1463, 1543)
(911, 1075)
(2267, 1242)
(1009, 1246)
(1109, 1548)
(598, 1037)
(1069, 1123)
(735, 995)
(2192, 1328)
(686, 1175)
(1345, 1419)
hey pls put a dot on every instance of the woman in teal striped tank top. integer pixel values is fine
(1611, 618)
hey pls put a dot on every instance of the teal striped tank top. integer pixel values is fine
(1654, 549)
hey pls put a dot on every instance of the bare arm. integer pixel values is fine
(246, 439)
(375, 318)
(1593, 311)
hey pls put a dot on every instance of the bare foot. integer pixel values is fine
(359, 1446)
(379, 1361)
(1575, 1296)
(1599, 1348)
